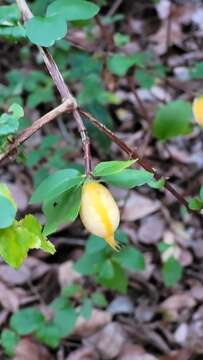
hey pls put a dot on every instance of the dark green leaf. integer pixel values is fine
(129, 178)
(119, 64)
(63, 210)
(9, 14)
(196, 204)
(88, 264)
(73, 9)
(118, 282)
(131, 259)
(65, 320)
(172, 272)
(26, 321)
(71, 290)
(55, 184)
(172, 120)
(45, 31)
(94, 244)
(86, 309)
(145, 79)
(106, 271)
(99, 300)
(106, 168)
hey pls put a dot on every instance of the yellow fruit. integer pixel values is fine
(99, 212)
(197, 107)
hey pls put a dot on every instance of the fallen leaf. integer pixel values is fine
(109, 341)
(138, 206)
(121, 305)
(14, 277)
(67, 275)
(84, 353)
(151, 229)
(29, 350)
(177, 303)
(97, 320)
(135, 352)
(8, 298)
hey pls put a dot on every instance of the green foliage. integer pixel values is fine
(106, 168)
(17, 239)
(9, 26)
(121, 39)
(129, 178)
(119, 64)
(9, 340)
(196, 203)
(197, 71)
(172, 120)
(45, 31)
(99, 300)
(56, 184)
(73, 9)
(63, 209)
(8, 212)
(26, 321)
(172, 272)
(109, 269)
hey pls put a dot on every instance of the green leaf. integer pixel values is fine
(86, 309)
(119, 64)
(99, 300)
(72, 10)
(172, 272)
(12, 32)
(106, 168)
(65, 320)
(121, 39)
(118, 282)
(162, 246)
(49, 334)
(131, 259)
(107, 270)
(172, 120)
(8, 125)
(63, 210)
(196, 204)
(94, 244)
(129, 178)
(201, 193)
(144, 79)
(157, 184)
(9, 340)
(44, 31)
(197, 71)
(55, 184)
(26, 321)
(9, 14)
(89, 264)
(17, 111)
(8, 212)
(71, 290)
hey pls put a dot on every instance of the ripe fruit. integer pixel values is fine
(99, 212)
(197, 107)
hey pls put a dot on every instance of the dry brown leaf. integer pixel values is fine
(138, 206)
(29, 350)
(109, 341)
(184, 354)
(14, 277)
(135, 352)
(177, 303)
(9, 298)
(98, 319)
(151, 229)
(67, 275)
(84, 353)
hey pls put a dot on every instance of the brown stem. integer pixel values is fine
(27, 133)
(133, 154)
(62, 88)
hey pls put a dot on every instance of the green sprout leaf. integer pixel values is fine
(129, 178)
(9, 340)
(131, 259)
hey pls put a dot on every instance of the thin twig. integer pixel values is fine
(114, 7)
(62, 88)
(133, 154)
(27, 133)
